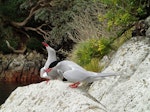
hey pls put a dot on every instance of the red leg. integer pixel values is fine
(74, 85)
(47, 81)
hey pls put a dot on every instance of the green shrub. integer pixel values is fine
(10, 9)
(124, 13)
(62, 14)
(123, 38)
(34, 44)
(94, 65)
(101, 47)
(85, 51)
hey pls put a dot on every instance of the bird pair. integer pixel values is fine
(69, 70)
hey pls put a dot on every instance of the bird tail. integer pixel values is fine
(105, 74)
(99, 76)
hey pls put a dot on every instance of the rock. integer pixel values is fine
(128, 92)
(31, 56)
(55, 96)
(104, 62)
(147, 21)
(140, 28)
(148, 32)
(21, 68)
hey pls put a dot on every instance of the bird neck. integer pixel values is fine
(42, 71)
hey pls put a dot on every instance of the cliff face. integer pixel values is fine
(128, 92)
(21, 68)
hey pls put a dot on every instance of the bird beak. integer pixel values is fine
(45, 44)
(48, 70)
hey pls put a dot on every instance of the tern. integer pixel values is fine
(69, 70)
(51, 58)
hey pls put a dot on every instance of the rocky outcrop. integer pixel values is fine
(147, 21)
(54, 96)
(130, 91)
(21, 68)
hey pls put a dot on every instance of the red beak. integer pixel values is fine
(48, 70)
(45, 44)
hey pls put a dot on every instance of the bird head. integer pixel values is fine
(45, 44)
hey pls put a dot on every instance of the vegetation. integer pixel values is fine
(5, 49)
(93, 25)
(46, 19)
(120, 16)
(88, 53)
(124, 13)
(123, 38)
(34, 44)
(10, 8)
(94, 65)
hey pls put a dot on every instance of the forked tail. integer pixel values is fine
(106, 74)
(99, 76)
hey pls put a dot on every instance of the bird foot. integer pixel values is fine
(47, 81)
(74, 85)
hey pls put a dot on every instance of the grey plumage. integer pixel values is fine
(75, 73)
(69, 70)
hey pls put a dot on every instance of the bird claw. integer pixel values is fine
(74, 85)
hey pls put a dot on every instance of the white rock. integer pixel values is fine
(129, 92)
(148, 32)
(147, 21)
(55, 96)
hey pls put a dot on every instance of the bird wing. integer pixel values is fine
(51, 56)
(75, 75)
(106, 74)
(99, 76)
(71, 65)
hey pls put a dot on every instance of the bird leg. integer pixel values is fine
(47, 81)
(74, 85)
